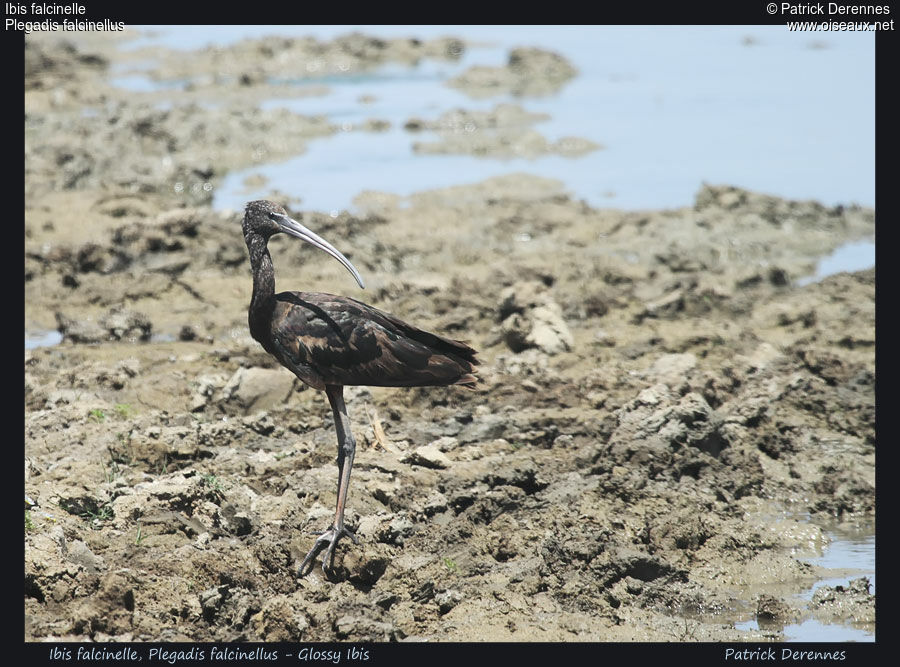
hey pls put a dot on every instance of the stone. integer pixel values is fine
(428, 456)
(255, 389)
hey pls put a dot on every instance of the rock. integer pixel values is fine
(124, 324)
(187, 333)
(376, 125)
(59, 537)
(760, 358)
(371, 526)
(504, 131)
(156, 445)
(446, 443)
(383, 491)
(548, 330)
(397, 531)
(428, 456)
(235, 522)
(852, 602)
(110, 610)
(79, 553)
(364, 569)
(366, 629)
(211, 600)
(672, 369)
(254, 389)
(118, 324)
(48, 572)
(280, 620)
(525, 474)
(575, 146)
(260, 422)
(770, 609)
(844, 489)
(80, 331)
(158, 497)
(668, 306)
(484, 427)
(203, 389)
(448, 599)
(529, 71)
(653, 425)
(48, 64)
(788, 315)
(531, 319)
(629, 562)
(435, 503)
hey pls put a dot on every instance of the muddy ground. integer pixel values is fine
(661, 411)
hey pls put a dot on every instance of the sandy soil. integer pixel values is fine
(661, 406)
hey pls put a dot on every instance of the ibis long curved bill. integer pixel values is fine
(294, 228)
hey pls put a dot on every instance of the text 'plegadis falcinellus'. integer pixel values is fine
(330, 341)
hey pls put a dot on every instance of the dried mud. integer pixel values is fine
(661, 408)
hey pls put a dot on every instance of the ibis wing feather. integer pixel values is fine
(338, 340)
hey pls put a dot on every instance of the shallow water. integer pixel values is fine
(674, 107)
(814, 631)
(852, 256)
(42, 339)
(851, 554)
(852, 549)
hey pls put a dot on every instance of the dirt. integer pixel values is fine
(661, 407)
(529, 72)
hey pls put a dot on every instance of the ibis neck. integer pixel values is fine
(263, 280)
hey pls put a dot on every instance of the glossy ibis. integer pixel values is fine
(330, 341)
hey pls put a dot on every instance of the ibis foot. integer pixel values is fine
(328, 541)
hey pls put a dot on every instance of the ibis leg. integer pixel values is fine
(346, 451)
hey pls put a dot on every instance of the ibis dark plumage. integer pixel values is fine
(331, 341)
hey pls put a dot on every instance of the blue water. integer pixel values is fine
(42, 339)
(674, 107)
(816, 632)
(847, 551)
(852, 256)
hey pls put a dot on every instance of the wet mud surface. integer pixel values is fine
(503, 132)
(661, 408)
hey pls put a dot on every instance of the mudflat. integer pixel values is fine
(666, 420)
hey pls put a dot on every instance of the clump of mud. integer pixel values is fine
(505, 131)
(49, 65)
(854, 601)
(179, 154)
(251, 62)
(529, 72)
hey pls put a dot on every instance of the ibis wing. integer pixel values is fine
(343, 341)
